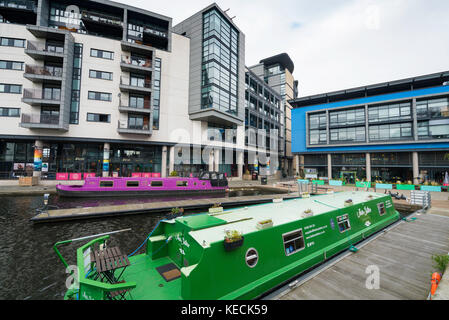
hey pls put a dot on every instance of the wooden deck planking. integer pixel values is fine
(116, 210)
(403, 255)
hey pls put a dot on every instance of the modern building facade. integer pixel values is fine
(104, 88)
(277, 72)
(264, 125)
(390, 131)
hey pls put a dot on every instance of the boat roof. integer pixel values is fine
(207, 229)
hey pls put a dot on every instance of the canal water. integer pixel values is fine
(30, 269)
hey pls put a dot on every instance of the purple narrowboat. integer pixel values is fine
(205, 183)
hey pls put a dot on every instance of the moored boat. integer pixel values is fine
(205, 183)
(237, 254)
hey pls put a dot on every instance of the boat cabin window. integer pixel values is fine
(106, 184)
(133, 184)
(181, 183)
(381, 208)
(157, 183)
(251, 257)
(343, 223)
(293, 242)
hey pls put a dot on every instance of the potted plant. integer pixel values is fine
(348, 203)
(264, 224)
(307, 213)
(232, 240)
(174, 174)
(216, 208)
(177, 211)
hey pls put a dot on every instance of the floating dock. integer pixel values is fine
(402, 253)
(154, 207)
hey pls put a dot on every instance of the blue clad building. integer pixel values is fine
(390, 131)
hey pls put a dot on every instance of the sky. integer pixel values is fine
(335, 44)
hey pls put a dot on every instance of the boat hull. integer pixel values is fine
(126, 193)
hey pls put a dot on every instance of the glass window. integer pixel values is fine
(293, 242)
(343, 223)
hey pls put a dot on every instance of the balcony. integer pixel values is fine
(40, 121)
(146, 109)
(126, 85)
(41, 52)
(99, 23)
(19, 11)
(124, 128)
(40, 74)
(137, 47)
(37, 97)
(140, 66)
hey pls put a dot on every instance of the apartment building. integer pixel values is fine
(103, 88)
(277, 72)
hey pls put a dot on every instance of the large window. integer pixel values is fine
(433, 109)
(318, 137)
(11, 65)
(10, 88)
(317, 121)
(346, 117)
(433, 129)
(9, 112)
(102, 96)
(96, 117)
(102, 54)
(293, 242)
(157, 93)
(12, 42)
(352, 134)
(398, 131)
(391, 112)
(220, 63)
(100, 74)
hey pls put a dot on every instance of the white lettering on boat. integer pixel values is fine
(315, 232)
(363, 212)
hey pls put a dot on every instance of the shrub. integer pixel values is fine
(441, 262)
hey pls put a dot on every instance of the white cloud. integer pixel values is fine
(336, 44)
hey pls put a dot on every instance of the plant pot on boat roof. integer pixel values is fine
(348, 203)
(307, 213)
(233, 240)
(264, 224)
(216, 208)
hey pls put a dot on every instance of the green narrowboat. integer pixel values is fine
(189, 258)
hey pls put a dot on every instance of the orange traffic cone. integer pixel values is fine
(436, 278)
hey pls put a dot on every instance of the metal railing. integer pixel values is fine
(36, 118)
(125, 125)
(147, 63)
(44, 71)
(128, 82)
(40, 47)
(146, 106)
(41, 94)
(103, 18)
(18, 4)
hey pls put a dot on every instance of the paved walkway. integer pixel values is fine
(402, 256)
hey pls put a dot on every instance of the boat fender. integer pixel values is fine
(436, 278)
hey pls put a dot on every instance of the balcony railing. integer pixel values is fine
(18, 4)
(39, 47)
(43, 71)
(146, 106)
(139, 63)
(125, 126)
(146, 84)
(35, 118)
(101, 18)
(41, 94)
